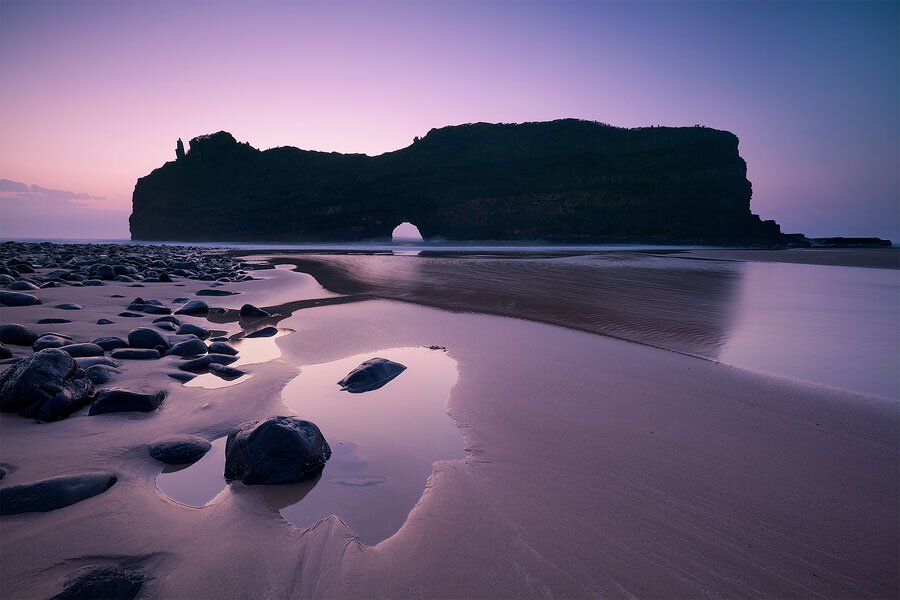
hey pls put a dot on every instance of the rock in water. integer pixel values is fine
(248, 310)
(225, 372)
(191, 329)
(187, 348)
(264, 332)
(18, 299)
(194, 307)
(274, 451)
(111, 401)
(222, 348)
(17, 335)
(106, 582)
(179, 450)
(371, 375)
(48, 385)
(144, 337)
(51, 494)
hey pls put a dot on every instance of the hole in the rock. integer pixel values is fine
(406, 232)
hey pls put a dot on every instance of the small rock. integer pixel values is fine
(17, 335)
(110, 342)
(84, 363)
(276, 450)
(135, 353)
(69, 306)
(210, 292)
(182, 377)
(194, 307)
(191, 329)
(166, 326)
(51, 494)
(82, 350)
(18, 299)
(106, 582)
(22, 286)
(113, 401)
(371, 375)
(144, 337)
(49, 341)
(202, 363)
(104, 322)
(187, 348)
(4, 351)
(179, 450)
(130, 314)
(100, 374)
(225, 372)
(264, 332)
(221, 348)
(167, 318)
(52, 321)
(248, 310)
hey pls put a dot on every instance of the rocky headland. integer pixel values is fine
(561, 181)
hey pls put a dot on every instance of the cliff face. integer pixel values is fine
(563, 180)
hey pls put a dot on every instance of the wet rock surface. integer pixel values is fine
(179, 450)
(101, 583)
(276, 450)
(52, 494)
(113, 401)
(371, 375)
(48, 386)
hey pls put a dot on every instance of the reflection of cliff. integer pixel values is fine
(681, 305)
(565, 180)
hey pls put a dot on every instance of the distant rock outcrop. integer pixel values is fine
(560, 181)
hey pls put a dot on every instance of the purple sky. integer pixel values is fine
(96, 93)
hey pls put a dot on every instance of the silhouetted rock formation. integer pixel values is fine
(566, 180)
(179, 150)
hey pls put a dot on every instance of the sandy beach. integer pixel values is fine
(604, 451)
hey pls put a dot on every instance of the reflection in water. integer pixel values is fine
(196, 484)
(384, 443)
(839, 326)
(251, 351)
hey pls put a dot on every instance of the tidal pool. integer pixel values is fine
(251, 351)
(384, 444)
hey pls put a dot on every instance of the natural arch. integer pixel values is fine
(406, 232)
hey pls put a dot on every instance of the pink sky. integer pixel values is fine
(96, 93)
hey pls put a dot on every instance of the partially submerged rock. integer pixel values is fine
(371, 375)
(193, 307)
(252, 312)
(225, 372)
(221, 348)
(48, 385)
(202, 363)
(179, 450)
(274, 451)
(264, 332)
(112, 401)
(51, 494)
(101, 582)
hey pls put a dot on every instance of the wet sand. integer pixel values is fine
(594, 467)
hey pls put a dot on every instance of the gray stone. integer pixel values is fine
(48, 385)
(371, 375)
(113, 401)
(52, 494)
(274, 451)
(179, 450)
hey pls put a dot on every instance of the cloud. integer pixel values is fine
(32, 211)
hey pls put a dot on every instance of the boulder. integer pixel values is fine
(135, 353)
(49, 340)
(54, 493)
(17, 335)
(113, 401)
(248, 310)
(144, 337)
(104, 581)
(110, 342)
(18, 299)
(82, 350)
(221, 348)
(48, 385)
(274, 451)
(179, 450)
(187, 348)
(193, 307)
(191, 329)
(22, 286)
(264, 332)
(371, 375)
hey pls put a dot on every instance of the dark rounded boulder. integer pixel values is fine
(18, 299)
(274, 451)
(225, 372)
(22, 286)
(106, 582)
(193, 307)
(191, 329)
(202, 363)
(49, 340)
(179, 450)
(69, 306)
(135, 353)
(17, 335)
(48, 385)
(250, 311)
(264, 332)
(144, 337)
(221, 348)
(54, 493)
(371, 375)
(113, 401)
(82, 350)
(187, 348)
(110, 342)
